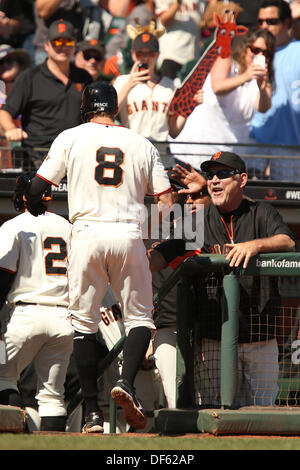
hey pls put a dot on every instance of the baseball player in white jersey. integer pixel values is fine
(110, 169)
(144, 96)
(33, 272)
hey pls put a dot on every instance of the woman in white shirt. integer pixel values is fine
(235, 88)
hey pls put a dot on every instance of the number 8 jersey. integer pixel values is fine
(110, 170)
(35, 249)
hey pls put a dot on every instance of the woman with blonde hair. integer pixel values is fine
(235, 88)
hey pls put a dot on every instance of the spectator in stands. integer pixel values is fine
(90, 57)
(280, 125)
(90, 18)
(48, 11)
(10, 20)
(236, 227)
(235, 87)
(144, 95)
(47, 96)
(208, 28)
(12, 63)
(181, 42)
(119, 46)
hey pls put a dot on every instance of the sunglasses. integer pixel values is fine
(269, 21)
(221, 174)
(91, 55)
(258, 50)
(63, 42)
(140, 55)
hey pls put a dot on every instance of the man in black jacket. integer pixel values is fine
(240, 229)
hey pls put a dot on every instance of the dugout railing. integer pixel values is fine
(192, 414)
(261, 159)
(283, 193)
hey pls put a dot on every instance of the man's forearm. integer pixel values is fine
(167, 17)
(46, 8)
(276, 243)
(6, 121)
(9, 128)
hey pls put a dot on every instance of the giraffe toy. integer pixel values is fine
(183, 102)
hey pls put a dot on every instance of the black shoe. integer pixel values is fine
(124, 395)
(93, 423)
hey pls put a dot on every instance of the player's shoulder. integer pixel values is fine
(51, 216)
(21, 221)
(69, 134)
(129, 133)
(137, 139)
(120, 79)
(11, 222)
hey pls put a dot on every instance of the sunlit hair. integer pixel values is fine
(240, 44)
(221, 8)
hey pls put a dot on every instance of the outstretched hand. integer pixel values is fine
(189, 177)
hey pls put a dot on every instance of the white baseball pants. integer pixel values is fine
(103, 253)
(42, 334)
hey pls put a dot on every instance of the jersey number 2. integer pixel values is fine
(109, 172)
(55, 256)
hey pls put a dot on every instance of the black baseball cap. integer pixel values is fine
(91, 45)
(61, 29)
(225, 158)
(20, 55)
(145, 41)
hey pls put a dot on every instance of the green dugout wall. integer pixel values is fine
(187, 417)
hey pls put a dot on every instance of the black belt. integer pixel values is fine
(24, 303)
(31, 303)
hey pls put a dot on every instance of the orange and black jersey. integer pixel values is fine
(260, 300)
(250, 221)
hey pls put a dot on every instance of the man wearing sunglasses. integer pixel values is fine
(280, 125)
(239, 228)
(47, 96)
(234, 225)
(90, 57)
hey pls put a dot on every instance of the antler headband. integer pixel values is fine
(134, 31)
